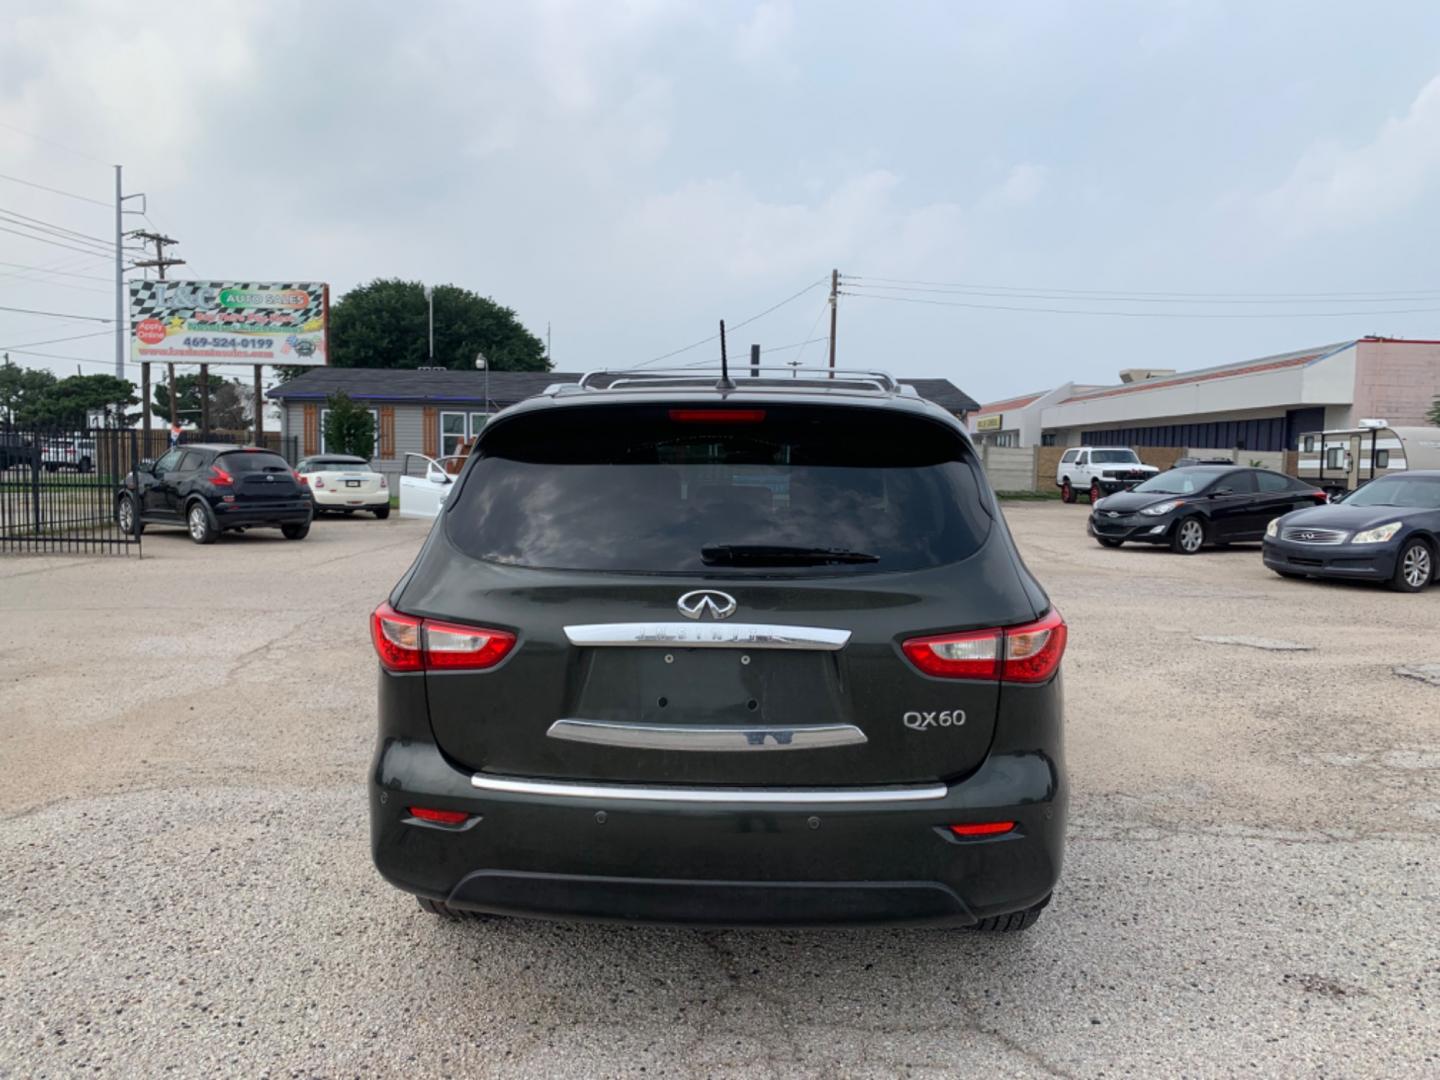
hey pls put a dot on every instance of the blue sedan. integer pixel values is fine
(1388, 530)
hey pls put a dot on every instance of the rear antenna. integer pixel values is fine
(724, 383)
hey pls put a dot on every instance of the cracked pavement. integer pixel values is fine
(185, 889)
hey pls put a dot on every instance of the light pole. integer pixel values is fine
(430, 299)
(484, 365)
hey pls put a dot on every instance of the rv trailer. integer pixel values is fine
(1341, 460)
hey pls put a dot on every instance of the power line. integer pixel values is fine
(56, 314)
(1146, 314)
(851, 279)
(1418, 297)
(55, 191)
(734, 326)
(56, 340)
(51, 226)
(57, 243)
(56, 270)
(52, 142)
(766, 350)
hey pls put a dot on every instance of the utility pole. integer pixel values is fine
(430, 300)
(159, 262)
(834, 304)
(550, 359)
(119, 277)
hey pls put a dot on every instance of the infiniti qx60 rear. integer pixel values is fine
(763, 655)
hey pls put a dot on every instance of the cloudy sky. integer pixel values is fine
(630, 172)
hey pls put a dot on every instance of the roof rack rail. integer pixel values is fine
(781, 377)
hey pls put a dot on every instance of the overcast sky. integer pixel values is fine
(631, 172)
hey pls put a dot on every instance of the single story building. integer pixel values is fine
(436, 412)
(1256, 405)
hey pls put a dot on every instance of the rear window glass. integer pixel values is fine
(631, 489)
(246, 461)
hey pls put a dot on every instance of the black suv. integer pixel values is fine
(212, 488)
(754, 655)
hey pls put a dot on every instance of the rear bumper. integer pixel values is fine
(1363, 562)
(238, 516)
(341, 499)
(793, 863)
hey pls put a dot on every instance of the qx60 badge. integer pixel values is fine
(706, 603)
(919, 721)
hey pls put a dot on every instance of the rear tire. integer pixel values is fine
(1067, 493)
(382, 512)
(127, 516)
(197, 523)
(1012, 923)
(445, 911)
(1188, 536)
(295, 532)
(1414, 567)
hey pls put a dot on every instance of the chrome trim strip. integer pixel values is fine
(513, 785)
(708, 636)
(706, 737)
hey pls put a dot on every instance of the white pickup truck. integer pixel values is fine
(1099, 470)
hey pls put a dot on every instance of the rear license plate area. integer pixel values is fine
(352, 483)
(708, 686)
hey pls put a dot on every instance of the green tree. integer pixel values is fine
(385, 324)
(1434, 413)
(69, 402)
(20, 388)
(228, 401)
(349, 428)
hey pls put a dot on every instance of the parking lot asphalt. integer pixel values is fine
(1252, 881)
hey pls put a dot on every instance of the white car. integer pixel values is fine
(1099, 470)
(426, 482)
(341, 483)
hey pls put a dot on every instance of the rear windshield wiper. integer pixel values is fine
(779, 555)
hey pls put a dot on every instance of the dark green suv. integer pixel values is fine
(680, 652)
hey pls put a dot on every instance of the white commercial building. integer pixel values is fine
(1256, 405)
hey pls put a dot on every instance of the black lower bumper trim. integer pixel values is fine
(716, 903)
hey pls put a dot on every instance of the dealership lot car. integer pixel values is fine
(765, 655)
(1099, 471)
(210, 489)
(1388, 530)
(344, 483)
(1188, 508)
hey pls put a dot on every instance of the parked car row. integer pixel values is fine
(51, 453)
(1387, 531)
(210, 489)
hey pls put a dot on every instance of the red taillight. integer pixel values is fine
(975, 655)
(303, 479)
(406, 643)
(717, 416)
(219, 477)
(397, 639)
(983, 828)
(1019, 654)
(384, 484)
(448, 646)
(439, 817)
(319, 481)
(1321, 496)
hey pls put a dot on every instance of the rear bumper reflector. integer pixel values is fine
(513, 785)
(710, 738)
(708, 636)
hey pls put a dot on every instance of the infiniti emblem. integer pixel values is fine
(269, 479)
(1307, 536)
(702, 602)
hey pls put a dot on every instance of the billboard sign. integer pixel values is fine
(993, 422)
(228, 322)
